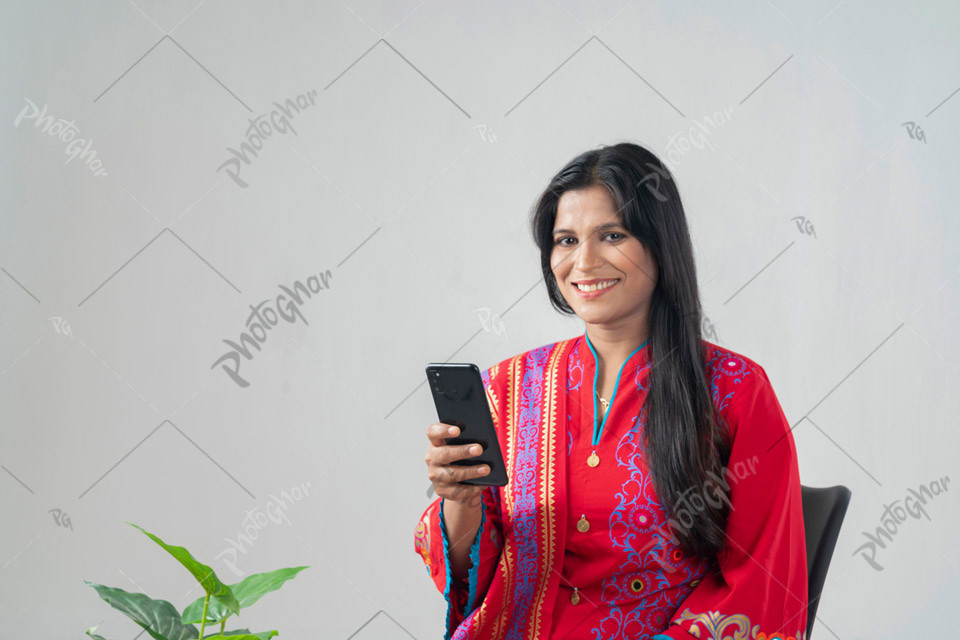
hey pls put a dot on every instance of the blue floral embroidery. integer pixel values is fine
(525, 476)
(574, 368)
(642, 578)
(725, 363)
(640, 375)
(574, 380)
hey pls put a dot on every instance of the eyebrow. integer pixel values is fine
(609, 225)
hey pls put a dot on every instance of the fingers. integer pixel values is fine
(453, 452)
(437, 431)
(452, 474)
(445, 476)
(441, 453)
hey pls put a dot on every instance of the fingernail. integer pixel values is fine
(482, 470)
(475, 449)
(453, 430)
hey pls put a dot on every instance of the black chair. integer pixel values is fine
(823, 512)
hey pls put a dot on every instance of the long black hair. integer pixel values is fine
(686, 448)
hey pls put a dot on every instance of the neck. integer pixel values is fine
(614, 345)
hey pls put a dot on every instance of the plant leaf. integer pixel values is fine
(247, 592)
(205, 575)
(90, 632)
(243, 634)
(158, 617)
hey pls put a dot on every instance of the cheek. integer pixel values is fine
(641, 262)
(557, 263)
(652, 268)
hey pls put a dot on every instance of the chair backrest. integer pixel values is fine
(823, 512)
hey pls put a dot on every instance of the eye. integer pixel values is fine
(615, 233)
(559, 241)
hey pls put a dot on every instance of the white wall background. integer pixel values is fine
(435, 126)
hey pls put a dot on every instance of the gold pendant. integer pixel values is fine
(574, 597)
(593, 460)
(582, 525)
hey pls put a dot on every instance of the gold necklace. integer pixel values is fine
(605, 403)
(593, 460)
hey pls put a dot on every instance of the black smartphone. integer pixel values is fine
(460, 398)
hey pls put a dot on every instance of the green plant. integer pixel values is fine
(162, 621)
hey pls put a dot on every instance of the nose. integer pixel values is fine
(588, 255)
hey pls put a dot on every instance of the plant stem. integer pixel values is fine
(223, 625)
(203, 618)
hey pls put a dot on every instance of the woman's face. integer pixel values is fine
(591, 246)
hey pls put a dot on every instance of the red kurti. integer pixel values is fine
(577, 545)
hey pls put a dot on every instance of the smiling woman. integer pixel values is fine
(618, 520)
(602, 270)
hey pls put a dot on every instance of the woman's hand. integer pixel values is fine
(446, 476)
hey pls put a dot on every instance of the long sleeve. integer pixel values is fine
(433, 544)
(759, 586)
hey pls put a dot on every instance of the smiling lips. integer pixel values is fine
(590, 286)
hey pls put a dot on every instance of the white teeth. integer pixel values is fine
(596, 287)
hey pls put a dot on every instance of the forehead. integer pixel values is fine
(586, 208)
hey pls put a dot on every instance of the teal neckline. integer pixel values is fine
(616, 385)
